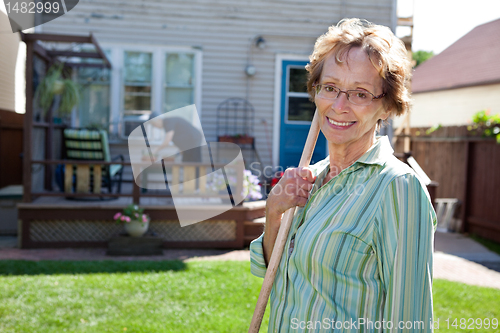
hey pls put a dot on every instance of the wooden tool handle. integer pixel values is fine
(279, 245)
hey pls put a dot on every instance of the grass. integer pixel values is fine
(59, 296)
(489, 244)
(168, 296)
(457, 300)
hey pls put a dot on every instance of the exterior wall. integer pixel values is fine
(225, 31)
(453, 107)
(8, 56)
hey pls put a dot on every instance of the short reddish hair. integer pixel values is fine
(386, 52)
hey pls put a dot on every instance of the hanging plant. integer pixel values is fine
(54, 84)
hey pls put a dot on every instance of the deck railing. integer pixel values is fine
(181, 173)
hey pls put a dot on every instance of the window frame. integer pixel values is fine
(158, 80)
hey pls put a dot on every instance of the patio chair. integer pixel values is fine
(85, 145)
(445, 212)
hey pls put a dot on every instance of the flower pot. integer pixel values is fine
(136, 228)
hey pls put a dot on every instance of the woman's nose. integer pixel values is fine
(340, 103)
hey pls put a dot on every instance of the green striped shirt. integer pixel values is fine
(361, 254)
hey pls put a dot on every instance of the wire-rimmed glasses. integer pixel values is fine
(357, 97)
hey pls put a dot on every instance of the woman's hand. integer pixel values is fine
(292, 190)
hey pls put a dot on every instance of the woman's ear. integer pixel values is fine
(386, 114)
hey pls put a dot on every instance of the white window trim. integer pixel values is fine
(157, 80)
(294, 94)
(277, 100)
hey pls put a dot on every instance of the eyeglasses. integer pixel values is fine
(357, 97)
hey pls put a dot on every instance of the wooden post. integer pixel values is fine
(407, 140)
(463, 227)
(49, 135)
(136, 191)
(28, 123)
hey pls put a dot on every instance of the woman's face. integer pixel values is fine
(345, 124)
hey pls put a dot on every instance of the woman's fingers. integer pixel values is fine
(292, 190)
(306, 174)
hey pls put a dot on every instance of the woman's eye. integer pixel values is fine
(329, 89)
(360, 94)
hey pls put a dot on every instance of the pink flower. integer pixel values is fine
(122, 218)
(144, 218)
(127, 219)
(117, 215)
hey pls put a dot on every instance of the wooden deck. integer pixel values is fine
(55, 222)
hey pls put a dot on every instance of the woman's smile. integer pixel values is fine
(342, 125)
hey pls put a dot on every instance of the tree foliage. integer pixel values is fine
(421, 56)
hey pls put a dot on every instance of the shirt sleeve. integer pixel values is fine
(257, 261)
(404, 245)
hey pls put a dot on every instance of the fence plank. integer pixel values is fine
(465, 168)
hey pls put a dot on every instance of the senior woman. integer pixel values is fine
(359, 253)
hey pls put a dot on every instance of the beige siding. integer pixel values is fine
(9, 43)
(455, 106)
(224, 30)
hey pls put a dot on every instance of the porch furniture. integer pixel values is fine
(445, 210)
(89, 145)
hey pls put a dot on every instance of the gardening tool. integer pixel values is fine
(279, 245)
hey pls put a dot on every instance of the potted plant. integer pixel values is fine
(55, 84)
(251, 189)
(135, 221)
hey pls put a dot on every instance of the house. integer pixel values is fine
(170, 54)
(463, 79)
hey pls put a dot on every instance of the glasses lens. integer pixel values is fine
(360, 97)
(327, 91)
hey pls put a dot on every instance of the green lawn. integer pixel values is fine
(168, 296)
(489, 244)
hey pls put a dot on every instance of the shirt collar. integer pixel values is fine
(378, 153)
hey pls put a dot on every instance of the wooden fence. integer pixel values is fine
(466, 167)
(11, 144)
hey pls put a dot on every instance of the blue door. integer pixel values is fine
(297, 112)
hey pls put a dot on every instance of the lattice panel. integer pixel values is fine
(73, 231)
(219, 230)
(95, 231)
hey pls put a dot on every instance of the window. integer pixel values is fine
(137, 83)
(143, 79)
(179, 81)
(300, 108)
(94, 105)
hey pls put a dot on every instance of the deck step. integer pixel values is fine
(253, 229)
